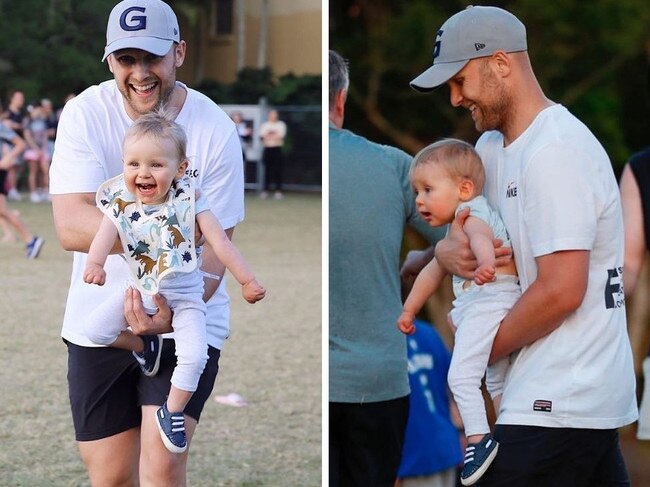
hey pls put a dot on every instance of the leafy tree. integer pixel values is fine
(49, 48)
(297, 90)
(253, 84)
(591, 57)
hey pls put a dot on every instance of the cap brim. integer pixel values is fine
(437, 75)
(154, 45)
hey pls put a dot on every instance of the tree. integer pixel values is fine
(54, 52)
(588, 56)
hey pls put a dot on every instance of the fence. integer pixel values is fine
(302, 145)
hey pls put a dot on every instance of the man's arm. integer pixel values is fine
(77, 220)
(413, 264)
(557, 292)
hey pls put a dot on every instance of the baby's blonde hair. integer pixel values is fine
(458, 158)
(160, 125)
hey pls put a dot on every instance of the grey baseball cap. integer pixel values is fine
(150, 25)
(471, 33)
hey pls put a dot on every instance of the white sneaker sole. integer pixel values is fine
(168, 444)
(156, 366)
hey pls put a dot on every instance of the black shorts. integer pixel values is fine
(107, 388)
(365, 442)
(532, 456)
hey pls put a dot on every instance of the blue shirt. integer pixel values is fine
(431, 444)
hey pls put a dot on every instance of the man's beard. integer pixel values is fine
(163, 100)
(495, 111)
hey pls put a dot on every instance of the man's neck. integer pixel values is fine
(178, 97)
(524, 114)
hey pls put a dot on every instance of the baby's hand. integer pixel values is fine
(484, 273)
(253, 292)
(405, 323)
(94, 274)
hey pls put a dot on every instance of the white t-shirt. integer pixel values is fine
(280, 130)
(555, 190)
(88, 151)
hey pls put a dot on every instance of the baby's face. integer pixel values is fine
(437, 194)
(150, 167)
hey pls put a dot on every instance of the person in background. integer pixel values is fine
(11, 219)
(370, 203)
(14, 118)
(37, 154)
(635, 199)
(51, 121)
(432, 447)
(243, 130)
(273, 132)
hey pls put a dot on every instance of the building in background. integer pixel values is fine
(225, 36)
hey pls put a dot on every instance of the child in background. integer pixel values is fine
(38, 154)
(432, 447)
(448, 176)
(152, 207)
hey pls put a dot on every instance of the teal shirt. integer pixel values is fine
(370, 202)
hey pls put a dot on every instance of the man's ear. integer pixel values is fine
(180, 50)
(109, 60)
(502, 63)
(466, 189)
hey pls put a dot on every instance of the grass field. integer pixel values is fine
(273, 359)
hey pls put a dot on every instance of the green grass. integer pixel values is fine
(273, 359)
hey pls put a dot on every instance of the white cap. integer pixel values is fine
(471, 33)
(150, 25)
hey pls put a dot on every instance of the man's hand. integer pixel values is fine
(415, 261)
(141, 323)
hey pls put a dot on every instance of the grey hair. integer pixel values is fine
(339, 76)
(160, 125)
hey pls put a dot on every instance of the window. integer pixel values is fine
(222, 23)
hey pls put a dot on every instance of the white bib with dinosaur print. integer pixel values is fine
(156, 243)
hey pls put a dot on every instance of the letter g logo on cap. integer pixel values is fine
(135, 22)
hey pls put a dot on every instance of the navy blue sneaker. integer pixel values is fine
(149, 359)
(478, 457)
(172, 429)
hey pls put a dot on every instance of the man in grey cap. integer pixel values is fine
(571, 382)
(113, 404)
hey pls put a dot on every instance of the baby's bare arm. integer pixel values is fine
(480, 240)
